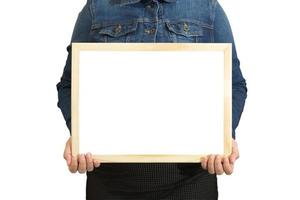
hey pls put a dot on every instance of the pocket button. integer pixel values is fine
(150, 31)
(118, 28)
(185, 27)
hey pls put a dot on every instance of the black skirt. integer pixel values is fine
(139, 181)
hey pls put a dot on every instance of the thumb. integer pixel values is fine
(235, 153)
(68, 152)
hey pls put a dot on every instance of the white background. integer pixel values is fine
(34, 35)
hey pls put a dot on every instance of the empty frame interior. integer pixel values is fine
(147, 102)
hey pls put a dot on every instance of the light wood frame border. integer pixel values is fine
(225, 47)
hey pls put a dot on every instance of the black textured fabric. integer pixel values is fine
(138, 181)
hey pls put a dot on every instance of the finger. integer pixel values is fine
(97, 163)
(228, 168)
(68, 158)
(82, 164)
(218, 165)
(74, 164)
(235, 153)
(211, 164)
(68, 154)
(204, 162)
(89, 162)
(233, 157)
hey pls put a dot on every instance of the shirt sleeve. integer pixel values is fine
(223, 34)
(80, 34)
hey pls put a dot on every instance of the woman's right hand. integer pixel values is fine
(82, 163)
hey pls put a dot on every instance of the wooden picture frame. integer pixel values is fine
(77, 52)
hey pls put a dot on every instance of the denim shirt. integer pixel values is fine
(171, 21)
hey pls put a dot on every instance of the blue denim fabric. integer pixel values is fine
(192, 21)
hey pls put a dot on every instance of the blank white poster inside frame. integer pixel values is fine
(151, 102)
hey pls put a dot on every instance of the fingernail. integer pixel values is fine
(68, 160)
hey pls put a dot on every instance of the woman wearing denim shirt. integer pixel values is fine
(192, 21)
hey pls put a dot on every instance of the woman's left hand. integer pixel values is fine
(219, 164)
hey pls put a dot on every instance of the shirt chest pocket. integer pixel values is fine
(117, 32)
(187, 32)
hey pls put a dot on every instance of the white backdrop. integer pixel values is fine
(34, 36)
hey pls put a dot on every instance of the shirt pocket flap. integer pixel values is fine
(116, 30)
(185, 28)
